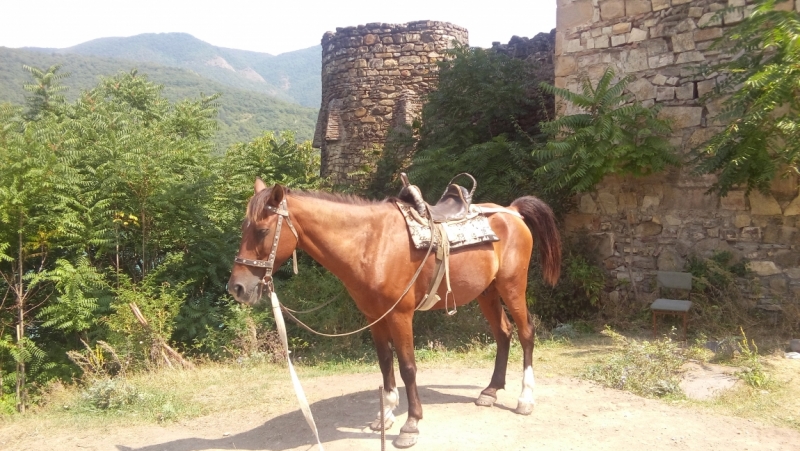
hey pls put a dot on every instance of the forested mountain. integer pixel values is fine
(243, 113)
(292, 76)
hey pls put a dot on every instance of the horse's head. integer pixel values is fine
(253, 265)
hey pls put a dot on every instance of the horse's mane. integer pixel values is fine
(259, 200)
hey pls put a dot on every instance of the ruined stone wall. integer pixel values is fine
(374, 78)
(538, 50)
(644, 225)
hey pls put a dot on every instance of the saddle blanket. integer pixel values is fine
(474, 229)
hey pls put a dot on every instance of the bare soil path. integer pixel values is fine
(570, 415)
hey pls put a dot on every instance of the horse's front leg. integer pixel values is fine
(403, 338)
(391, 397)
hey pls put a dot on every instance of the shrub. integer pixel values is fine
(577, 294)
(753, 373)
(720, 290)
(646, 368)
(109, 394)
(611, 134)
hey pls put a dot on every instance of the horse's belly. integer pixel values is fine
(471, 273)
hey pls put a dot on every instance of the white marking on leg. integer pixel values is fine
(528, 383)
(391, 399)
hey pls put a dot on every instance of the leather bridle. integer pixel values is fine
(283, 212)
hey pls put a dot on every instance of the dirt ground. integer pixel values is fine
(570, 414)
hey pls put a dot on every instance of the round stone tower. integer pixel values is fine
(374, 78)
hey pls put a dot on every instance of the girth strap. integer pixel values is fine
(440, 271)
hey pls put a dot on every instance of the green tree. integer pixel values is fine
(119, 198)
(45, 90)
(34, 187)
(611, 135)
(482, 119)
(760, 101)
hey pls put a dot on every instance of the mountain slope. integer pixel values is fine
(292, 76)
(243, 114)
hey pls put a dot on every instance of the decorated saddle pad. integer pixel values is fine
(474, 229)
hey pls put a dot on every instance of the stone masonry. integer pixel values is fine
(641, 225)
(374, 78)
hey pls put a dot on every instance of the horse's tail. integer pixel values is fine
(540, 219)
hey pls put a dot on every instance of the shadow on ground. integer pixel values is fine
(338, 418)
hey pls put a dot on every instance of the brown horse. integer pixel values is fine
(366, 245)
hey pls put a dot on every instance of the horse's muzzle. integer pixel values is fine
(241, 294)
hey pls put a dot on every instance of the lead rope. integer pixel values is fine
(282, 210)
(298, 389)
(383, 424)
(410, 284)
(280, 324)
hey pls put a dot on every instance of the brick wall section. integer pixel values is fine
(374, 77)
(644, 225)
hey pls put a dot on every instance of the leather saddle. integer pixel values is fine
(452, 206)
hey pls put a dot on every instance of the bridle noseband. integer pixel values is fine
(283, 212)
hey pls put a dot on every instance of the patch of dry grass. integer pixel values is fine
(213, 388)
(777, 404)
(227, 388)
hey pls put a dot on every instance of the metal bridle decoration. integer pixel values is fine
(283, 212)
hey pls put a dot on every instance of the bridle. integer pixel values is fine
(283, 212)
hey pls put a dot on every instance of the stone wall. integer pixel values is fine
(374, 77)
(644, 225)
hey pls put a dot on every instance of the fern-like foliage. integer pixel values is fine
(45, 90)
(760, 101)
(79, 288)
(612, 135)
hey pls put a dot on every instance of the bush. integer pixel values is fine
(611, 134)
(720, 290)
(753, 373)
(109, 394)
(646, 368)
(577, 294)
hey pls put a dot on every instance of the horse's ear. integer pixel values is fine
(259, 185)
(276, 195)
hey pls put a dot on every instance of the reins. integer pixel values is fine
(283, 211)
(408, 287)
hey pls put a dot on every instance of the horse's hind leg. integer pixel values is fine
(492, 309)
(391, 397)
(513, 293)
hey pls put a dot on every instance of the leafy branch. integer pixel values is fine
(610, 135)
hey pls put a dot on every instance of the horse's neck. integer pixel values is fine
(335, 234)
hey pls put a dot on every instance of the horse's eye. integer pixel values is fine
(263, 232)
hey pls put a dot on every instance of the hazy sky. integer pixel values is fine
(269, 26)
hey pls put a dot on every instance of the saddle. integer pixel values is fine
(452, 206)
(451, 210)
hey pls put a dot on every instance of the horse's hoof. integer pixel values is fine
(485, 400)
(376, 425)
(406, 439)
(524, 408)
(408, 434)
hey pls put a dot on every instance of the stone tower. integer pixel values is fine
(374, 78)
